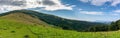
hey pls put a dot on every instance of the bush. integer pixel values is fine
(26, 36)
(12, 31)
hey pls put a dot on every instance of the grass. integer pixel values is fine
(11, 27)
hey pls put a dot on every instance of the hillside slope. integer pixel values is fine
(16, 25)
(18, 29)
(23, 18)
(57, 21)
(20, 25)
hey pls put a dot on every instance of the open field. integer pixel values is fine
(18, 29)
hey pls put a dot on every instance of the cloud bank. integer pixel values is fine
(50, 5)
(102, 2)
(91, 13)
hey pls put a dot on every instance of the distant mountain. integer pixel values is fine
(53, 20)
(105, 22)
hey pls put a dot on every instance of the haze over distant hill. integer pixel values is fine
(105, 22)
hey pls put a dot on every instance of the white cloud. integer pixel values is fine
(91, 12)
(8, 5)
(80, 9)
(58, 5)
(85, 0)
(116, 11)
(102, 2)
(50, 5)
(99, 2)
(115, 14)
(115, 2)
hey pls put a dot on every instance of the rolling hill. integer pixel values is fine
(57, 21)
(31, 24)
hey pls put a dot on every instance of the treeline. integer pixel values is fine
(114, 26)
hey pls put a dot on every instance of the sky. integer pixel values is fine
(85, 10)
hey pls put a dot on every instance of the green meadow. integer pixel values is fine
(13, 27)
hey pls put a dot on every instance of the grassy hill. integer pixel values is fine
(57, 21)
(22, 25)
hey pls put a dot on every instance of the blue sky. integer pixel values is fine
(86, 10)
(90, 12)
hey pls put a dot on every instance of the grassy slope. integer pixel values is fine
(16, 26)
(58, 21)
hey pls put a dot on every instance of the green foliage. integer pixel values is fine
(12, 31)
(98, 28)
(26, 36)
(113, 27)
